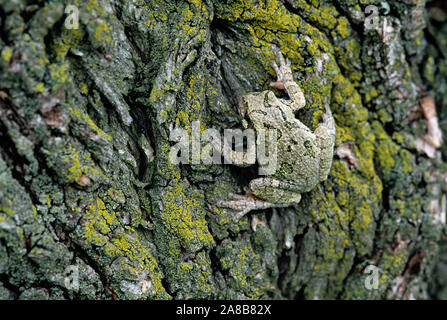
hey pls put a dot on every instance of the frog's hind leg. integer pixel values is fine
(276, 191)
(244, 204)
(275, 194)
(326, 134)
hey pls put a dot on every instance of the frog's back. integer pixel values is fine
(299, 164)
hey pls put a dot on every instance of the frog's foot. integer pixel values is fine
(283, 72)
(328, 119)
(285, 82)
(244, 204)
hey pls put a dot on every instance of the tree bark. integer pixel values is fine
(91, 207)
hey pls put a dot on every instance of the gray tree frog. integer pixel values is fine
(304, 158)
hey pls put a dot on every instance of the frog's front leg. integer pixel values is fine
(276, 191)
(285, 82)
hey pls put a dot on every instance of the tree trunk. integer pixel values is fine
(92, 208)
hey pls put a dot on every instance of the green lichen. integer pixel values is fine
(80, 165)
(183, 216)
(59, 73)
(386, 151)
(6, 54)
(102, 32)
(103, 228)
(84, 118)
(243, 266)
(99, 222)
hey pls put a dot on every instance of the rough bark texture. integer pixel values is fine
(85, 181)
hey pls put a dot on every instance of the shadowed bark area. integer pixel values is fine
(86, 183)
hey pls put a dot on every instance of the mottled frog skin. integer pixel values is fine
(304, 158)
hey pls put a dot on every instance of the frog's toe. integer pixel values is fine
(241, 205)
(236, 196)
(276, 68)
(239, 214)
